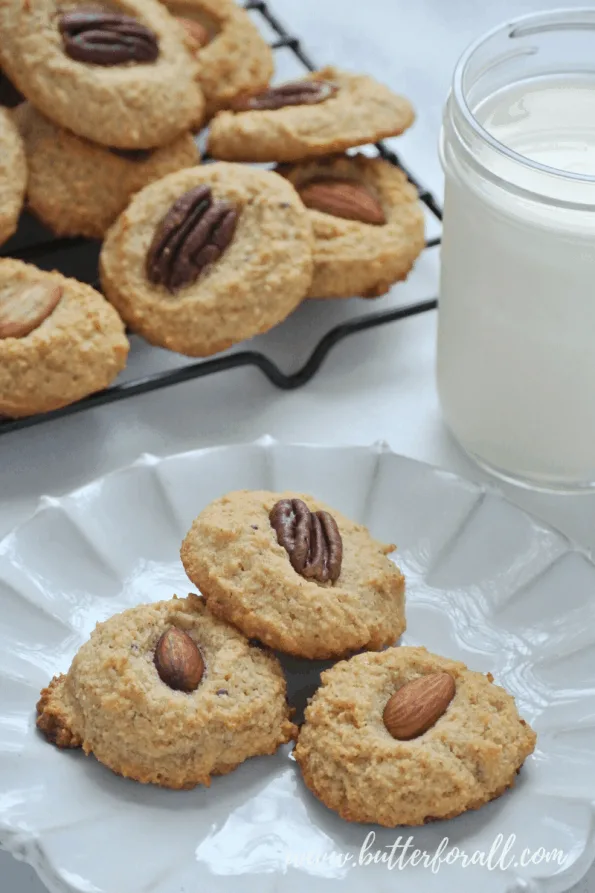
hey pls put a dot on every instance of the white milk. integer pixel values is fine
(516, 351)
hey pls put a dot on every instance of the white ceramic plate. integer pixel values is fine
(487, 584)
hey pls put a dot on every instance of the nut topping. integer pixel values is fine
(292, 93)
(197, 34)
(311, 539)
(106, 38)
(192, 236)
(178, 660)
(342, 198)
(24, 307)
(418, 705)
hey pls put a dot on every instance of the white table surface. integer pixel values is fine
(376, 385)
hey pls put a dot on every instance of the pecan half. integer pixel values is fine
(106, 38)
(193, 235)
(292, 93)
(311, 539)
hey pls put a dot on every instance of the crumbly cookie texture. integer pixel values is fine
(130, 105)
(78, 188)
(113, 703)
(353, 258)
(350, 761)
(232, 554)
(13, 175)
(361, 111)
(261, 277)
(237, 60)
(77, 350)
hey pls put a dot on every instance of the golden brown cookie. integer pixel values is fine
(233, 554)
(167, 694)
(59, 340)
(232, 56)
(470, 752)
(78, 188)
(69, 61)
(367, 220)
(13, 175)
(325, 112)
(198, 274)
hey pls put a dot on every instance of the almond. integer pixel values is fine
(418, 705)
(197, 33)
(24, 307)
(342, 198)
(178, 660)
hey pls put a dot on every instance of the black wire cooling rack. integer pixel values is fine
(42, 247)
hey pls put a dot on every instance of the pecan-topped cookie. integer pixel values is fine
(296, 574)
(233, 58)
(367, 220)
(208, 256)
(327, 111)
(121, 76)
(405, 737)
(78, 188)
(13, 175)
(59, 340)
(190, 698)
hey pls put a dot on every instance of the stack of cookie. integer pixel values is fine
(176, 692)
(195, 258)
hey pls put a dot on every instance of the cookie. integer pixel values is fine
(335, 593)
(78, 188)
(325, 112)
(208, 256)
(166, 694)
(232, 56)
(123, 77)
(473, 745)
(13, 175)
(367, 220)
(59, 340)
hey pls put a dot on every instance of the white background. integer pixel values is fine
(376, 385)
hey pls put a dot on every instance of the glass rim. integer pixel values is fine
(550, 20)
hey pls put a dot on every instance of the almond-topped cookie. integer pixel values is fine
(169, 695)
(405, 737)
(60, 340)
(233, 58)
(367, 220)
(120, 76)
(301, 577)
(327, 111)
(13, 175)
(208, 256)
(78, 188)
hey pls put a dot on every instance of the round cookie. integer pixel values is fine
(114, 703)
(103, 95)
(352, 763)
(260, 277)
(353, 109)
(60, 340)
(236, 60)
(13, 175)
(78, 188)
(353, 257)
(233, 555)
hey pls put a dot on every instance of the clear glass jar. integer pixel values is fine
(516, 343)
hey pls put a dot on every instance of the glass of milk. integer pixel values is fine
(516, 344)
